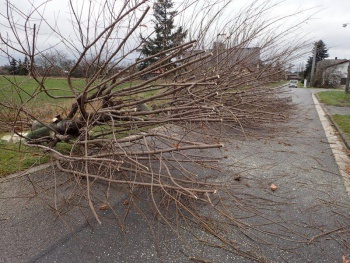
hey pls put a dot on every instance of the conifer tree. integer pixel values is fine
(321, 54)
(13, 66)
(166, 34)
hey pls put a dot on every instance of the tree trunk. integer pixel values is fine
(347, 89)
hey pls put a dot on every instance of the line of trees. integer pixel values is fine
(51, 64)
(167, 36)
(17, 67)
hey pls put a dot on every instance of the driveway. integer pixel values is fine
(306, 219)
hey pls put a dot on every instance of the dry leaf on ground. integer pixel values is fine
(273, 187)
(103, 207)
(347, 169)
(345, 260)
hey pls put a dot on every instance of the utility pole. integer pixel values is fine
(218, 46)
(313, 66)
(347, 88)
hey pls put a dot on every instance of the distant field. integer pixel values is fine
(22, 87)
(277, 83)
(16, 91)
(24, 91)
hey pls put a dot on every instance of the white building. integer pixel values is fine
(332, 72)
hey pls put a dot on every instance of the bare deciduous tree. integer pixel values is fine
(150, 136)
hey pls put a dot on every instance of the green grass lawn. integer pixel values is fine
(340, 99)
(15, 91)
(18, 89)
(17, 157)
(23, 91)
(22, 87)
(277, 83)
(334, 98)
(343, 122)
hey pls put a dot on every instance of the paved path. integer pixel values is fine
(333, 110)
(307, 219)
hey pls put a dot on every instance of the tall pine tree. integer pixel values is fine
(13, 66)
(166, 35)
(22, 68)
(321, 54)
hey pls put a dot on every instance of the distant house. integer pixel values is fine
(247, 58)
(331, 72)
(290, 76)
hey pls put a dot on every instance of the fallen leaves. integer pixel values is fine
(273, 187)
(176, 145)
(347, 169)
(345, 260)
(284, 143)
(237, 177)
(103, 207)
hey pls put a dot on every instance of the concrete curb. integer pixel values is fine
(26, 172)
(329, 116)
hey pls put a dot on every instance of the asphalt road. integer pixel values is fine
(307, 219)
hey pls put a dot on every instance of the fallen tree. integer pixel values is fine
(150, 135)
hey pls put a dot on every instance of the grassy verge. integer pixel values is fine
(277, 83)
(340, 99)
(17, 157)
(334, 98)
(343, 122)
(23, 91)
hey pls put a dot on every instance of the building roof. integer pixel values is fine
(326, 63)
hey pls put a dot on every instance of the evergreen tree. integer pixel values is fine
(26, 65)
(13, 66)
(308, 67)
(321, 54)
(22, 68)
(19, 68)
(166, 35)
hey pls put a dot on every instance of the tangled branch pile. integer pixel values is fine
(148, 130)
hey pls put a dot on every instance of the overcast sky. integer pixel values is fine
(326, 23)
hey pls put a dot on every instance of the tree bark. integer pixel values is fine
(347, 89)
